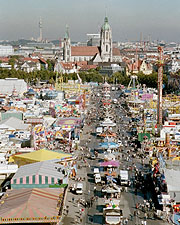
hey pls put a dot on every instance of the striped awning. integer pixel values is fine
(35, 179)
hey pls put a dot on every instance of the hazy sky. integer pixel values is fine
(128, 18)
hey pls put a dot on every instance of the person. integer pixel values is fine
(126, 221)
(91, 202)
(137, 205)
(145, 216)
(138, 212)
(135, 191)
(86, 204)
(126, 189)
(94, 189)
(78, 204)
(131, 217)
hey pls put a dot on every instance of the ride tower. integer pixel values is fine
(160, 83)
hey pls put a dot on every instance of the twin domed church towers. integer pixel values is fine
(104, 51)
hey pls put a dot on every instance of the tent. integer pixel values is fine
(31, 206)
(108, 123)
(38, 156)
(13, 123)
(39, 175)
(108, 134)
(108, 145)
(112, 163)
(68, 122)
(109, 157)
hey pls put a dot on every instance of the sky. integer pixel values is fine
(159, 19)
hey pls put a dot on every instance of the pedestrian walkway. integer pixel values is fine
(73, 205)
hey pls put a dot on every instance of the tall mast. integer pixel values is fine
(160, 83)
(40, 30)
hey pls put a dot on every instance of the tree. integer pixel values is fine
(120, 78)
(12, 62)
(151, 80)
(51, 64)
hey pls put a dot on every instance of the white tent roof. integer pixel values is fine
(108, 122)
(13, 123)
(47, 168)
(106, 85)
(9, 84)
(172, 179)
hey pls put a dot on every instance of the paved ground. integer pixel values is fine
(94, 214)
(75, 209)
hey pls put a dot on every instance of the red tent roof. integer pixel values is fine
(30, 203)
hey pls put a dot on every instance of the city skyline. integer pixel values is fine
(158, 19)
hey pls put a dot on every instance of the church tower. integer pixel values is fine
(106, 42)
(67, 46)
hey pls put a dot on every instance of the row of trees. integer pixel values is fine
(49, 75)
(90, 76)
(149, 80)
(28, 77)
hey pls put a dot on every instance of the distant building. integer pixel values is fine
(145, 68)
(6, 50)
(93, 40)
(137, 66)
(110, 68)
(46, 50)
(41, 45)
(30, 64)
(104, 52)
(173, 66)
(5, 66)
(72, 67)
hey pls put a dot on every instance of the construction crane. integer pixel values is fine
(160, 83)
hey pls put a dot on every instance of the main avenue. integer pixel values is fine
(113, 171)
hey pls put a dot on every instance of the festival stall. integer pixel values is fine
(39, 156)
(108, 123)
(112, 212)
(108, 145)
(44, 174)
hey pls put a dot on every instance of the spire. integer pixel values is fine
(67, 32)
(106, 19)
(40, 30)
(106, 25)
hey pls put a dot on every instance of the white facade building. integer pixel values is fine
(6, 50)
